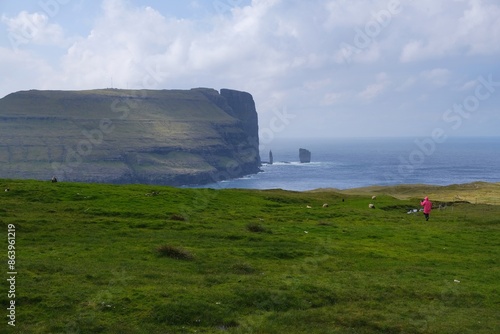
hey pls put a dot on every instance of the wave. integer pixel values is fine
(301, 164)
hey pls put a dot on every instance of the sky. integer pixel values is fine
(316, 68)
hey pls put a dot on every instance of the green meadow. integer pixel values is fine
(95, 258)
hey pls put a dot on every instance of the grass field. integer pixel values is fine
(93, 258)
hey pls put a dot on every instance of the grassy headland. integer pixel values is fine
(168, 137)
(94, 258)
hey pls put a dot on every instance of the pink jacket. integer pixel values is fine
(427, 205)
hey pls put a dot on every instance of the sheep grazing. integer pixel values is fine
(374, 197)
(54, 179)
(7, 189)
(325, 205)
(371, 206)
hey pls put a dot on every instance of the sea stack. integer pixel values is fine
(304, 155)
(270, 157)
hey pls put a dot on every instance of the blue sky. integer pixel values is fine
(318, 68)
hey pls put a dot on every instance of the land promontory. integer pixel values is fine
(168, 137)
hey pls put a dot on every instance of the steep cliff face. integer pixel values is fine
(170, 137)
(241, 106)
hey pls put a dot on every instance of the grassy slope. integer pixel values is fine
(477, 192)
(87, 262)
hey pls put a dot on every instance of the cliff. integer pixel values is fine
(169, 137)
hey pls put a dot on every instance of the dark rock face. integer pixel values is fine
(169, 137)
(241, 106)
(304, 155)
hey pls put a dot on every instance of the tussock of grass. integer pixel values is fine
(174, 252)
(324, 223)
(243, 268)
(256, 227)
(177, 217)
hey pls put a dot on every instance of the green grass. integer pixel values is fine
(96, 258)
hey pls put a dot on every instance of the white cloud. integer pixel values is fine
(480, 27)
(407, 84)
(332, 98)
(437, 76)
(470, 26)
(19, 67)
(286, 53)
(375, 89)
(127, 45)
(346, 13)
(33, 28)
(317, 84)
(468, 85)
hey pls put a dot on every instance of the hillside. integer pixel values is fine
(476, 193)
(96, 258)
(170, 137)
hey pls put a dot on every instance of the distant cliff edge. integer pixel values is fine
(168, 137)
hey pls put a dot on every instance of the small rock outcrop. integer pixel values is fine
(304, 155)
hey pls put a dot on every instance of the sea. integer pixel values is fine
(360, 162)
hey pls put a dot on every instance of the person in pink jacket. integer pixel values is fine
(427, 207)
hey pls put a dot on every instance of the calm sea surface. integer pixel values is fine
(351, 163)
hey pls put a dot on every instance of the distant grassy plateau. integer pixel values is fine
(477, 192)
(99, 258)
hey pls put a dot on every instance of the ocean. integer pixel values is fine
(353, 163)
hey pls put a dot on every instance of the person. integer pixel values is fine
(427, 207)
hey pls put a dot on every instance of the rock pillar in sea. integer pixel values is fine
(304, 155)
(270, 157)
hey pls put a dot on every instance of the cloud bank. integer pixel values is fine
(343, 68)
